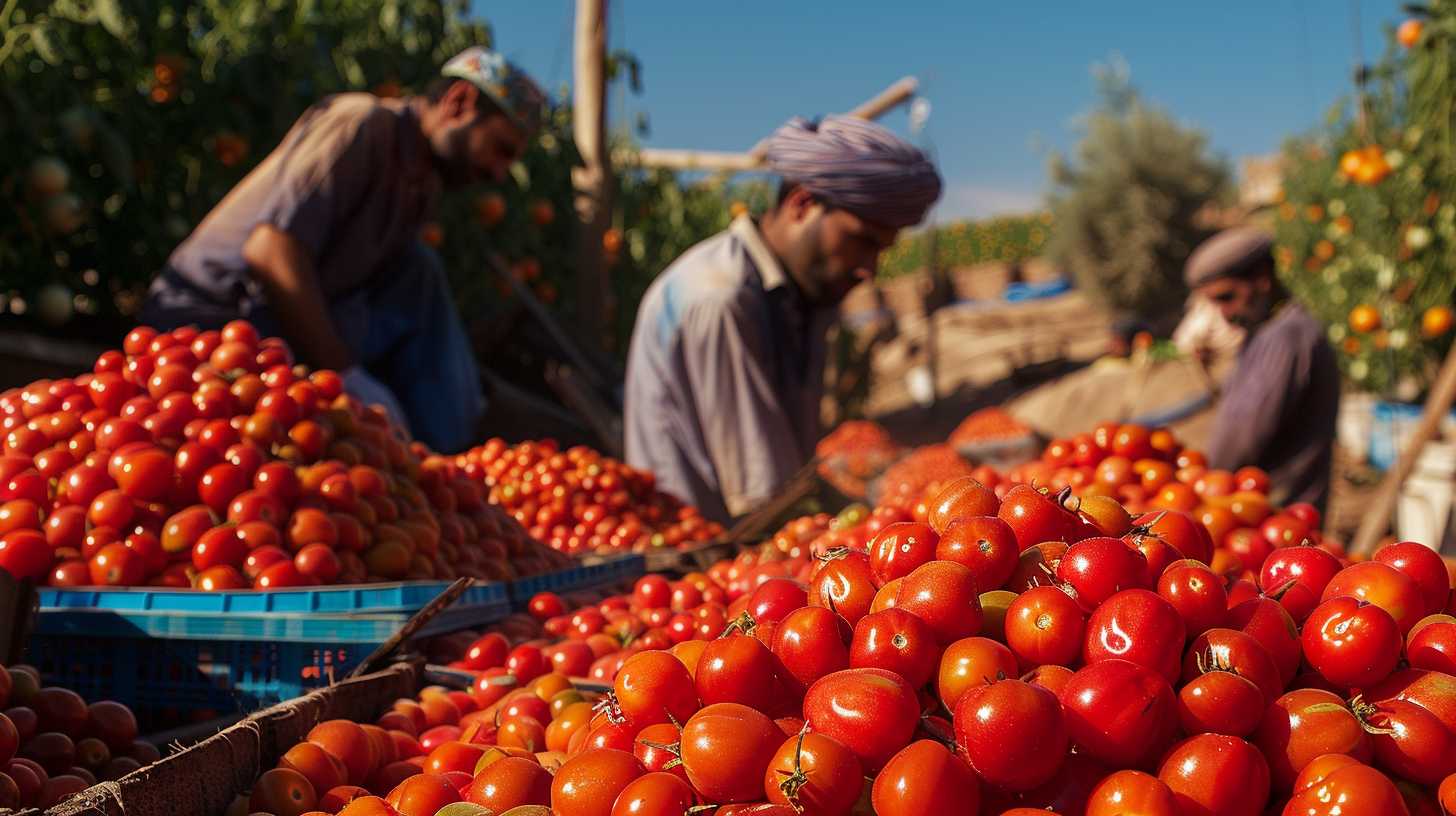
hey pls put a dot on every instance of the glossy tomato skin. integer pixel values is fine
(1180, 531)
(737, 669)
(831, 776)
(1120, 713)
(895, 640)
(1035, 517)
(811, 643)
(899, 548)
(1220, 702)
(1044, 626)
(1138, 626)
(1424, 567)
(962, 498)
(1351, 643)
(873, 712)
(971, 662)
(944, 595)
(1232, 650)
(1433, 646)
(843, 582)
(1382, 585)
(654, 687)
(1266, 621)
(1432, 690)
(983, 544)
(726, 749)
(1417, 746)
(1216, 774)
(1304, 724)
(775, 598)
(1196, 593)
(1297, 576)
(1130, 791)
(1335, 784)
(1095, 569)
(1013, 733)
(925, 778)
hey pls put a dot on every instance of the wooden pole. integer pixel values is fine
(1375, 523)
(592, 180)
(898, 93)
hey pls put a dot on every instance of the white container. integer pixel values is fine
(1355, 423)
(1423, 512)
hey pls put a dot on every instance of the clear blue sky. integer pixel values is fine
(1006, 80)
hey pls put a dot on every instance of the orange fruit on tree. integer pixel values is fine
(1350, 162)
(1436, 321)
(1409, 33)
(1364, 319)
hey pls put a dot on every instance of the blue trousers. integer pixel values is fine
(405, 331)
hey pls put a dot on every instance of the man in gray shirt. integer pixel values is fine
(1278, 408)
(320, 243)
(726, 366)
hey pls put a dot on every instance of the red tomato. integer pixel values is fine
(1216, 774)
(1036, 566)
(961, 499)
(1120, 713)
(1178, 530)
(899, 548)
(1297, 577)
(1335, 784)
(587, 784)
(653, 592)
(944, 595)
(895, 640)
(1012, 732)
(1220, 702)
(1045, 626)
(1035, 517)
(775, 598)
(1305, 724)
(815, 775)
(117, 565)
(1384, 586)
(726, 749)
(1423, 566)
(654, 794)
(1138, 626)
(1232, 650)
(654, 687)
(1095, 569)
(1268, 622)
(1433, 645)
(811, 643)
(736, 668)
(925, 778)
(983, 544)
(1198, 595)
(219, 547)
(544, 605)
(843, 583)
(1410, 741)
(1131, 792)
(871, 711)
(972, 662)
(25, 554)
(1432, 690)
(1351, 643)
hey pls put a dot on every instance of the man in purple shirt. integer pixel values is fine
(1278, 408)
(726, 366)
(320, 242)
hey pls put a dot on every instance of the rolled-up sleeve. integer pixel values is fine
(325, 173)
(746, 430)
(1254, 401)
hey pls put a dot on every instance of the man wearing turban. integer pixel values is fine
(1278, 408)
(725, 371)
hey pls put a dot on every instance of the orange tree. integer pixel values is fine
(1007, 239)
(1367, 225)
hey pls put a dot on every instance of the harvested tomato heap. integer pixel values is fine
(209, 460)
(581, 501)
(1022, 651)
(853, 454)
(52, 744)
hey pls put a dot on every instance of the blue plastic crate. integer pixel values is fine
(1392, 425)
(178, 655)
(607, 572)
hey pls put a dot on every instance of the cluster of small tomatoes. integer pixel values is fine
(52, 744)
(854, 453)
(581, 501)
(209, 460)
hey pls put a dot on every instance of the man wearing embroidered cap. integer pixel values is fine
(725, 371)
(320, 242)
(1278, 408)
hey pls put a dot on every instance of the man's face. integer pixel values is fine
(471, 146)
(841, 251)
(1243, 302)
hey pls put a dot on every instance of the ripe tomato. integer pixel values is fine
(899, 548)
(736, 668)
(1036, 566)
(1178, 530)
(220, 484)
(422, 795)
(1432, 690)
(1384, 586)
(1012, 732)
(1304, 724)
(1198, 595)
(279, 575)
(1220, 702)
(1035, 517)
(1131, 792)
(1095, 569)
(944, 595)
(653, 592)
(1215, 774)
(810, 643)
(1351, 643)
(726, 749)
(1410, 741)
(775, 598)
(960, 499)
(1044, 626)
(897, 641)
(283, 792)
(983, 544)
(219, 547)
(1432, 644)
(318, 563)
(1335, 784)
(871, 711)
(815, 775)
(1119, 712)
(654, 687)
(1268, 622)
(925, 778)
(25, 554)
(510, 782)
(972, 662)
(1423, 566)
(545, 605)
(1138, 626)
(1232, 650)
(588, 783)
(116, 565)
(1297, 577)
(654, 794)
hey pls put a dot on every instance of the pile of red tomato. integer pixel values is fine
(52, 744)
(580, 501)
(854, 453)
(1003, 655)
(209, 460)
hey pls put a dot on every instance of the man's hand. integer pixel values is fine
(283, 266)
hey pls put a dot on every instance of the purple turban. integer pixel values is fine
(858, 166)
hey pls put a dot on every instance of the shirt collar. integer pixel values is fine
(770, 271)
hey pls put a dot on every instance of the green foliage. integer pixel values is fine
(1007, 239)
(1387, 244)
(1125, 208)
